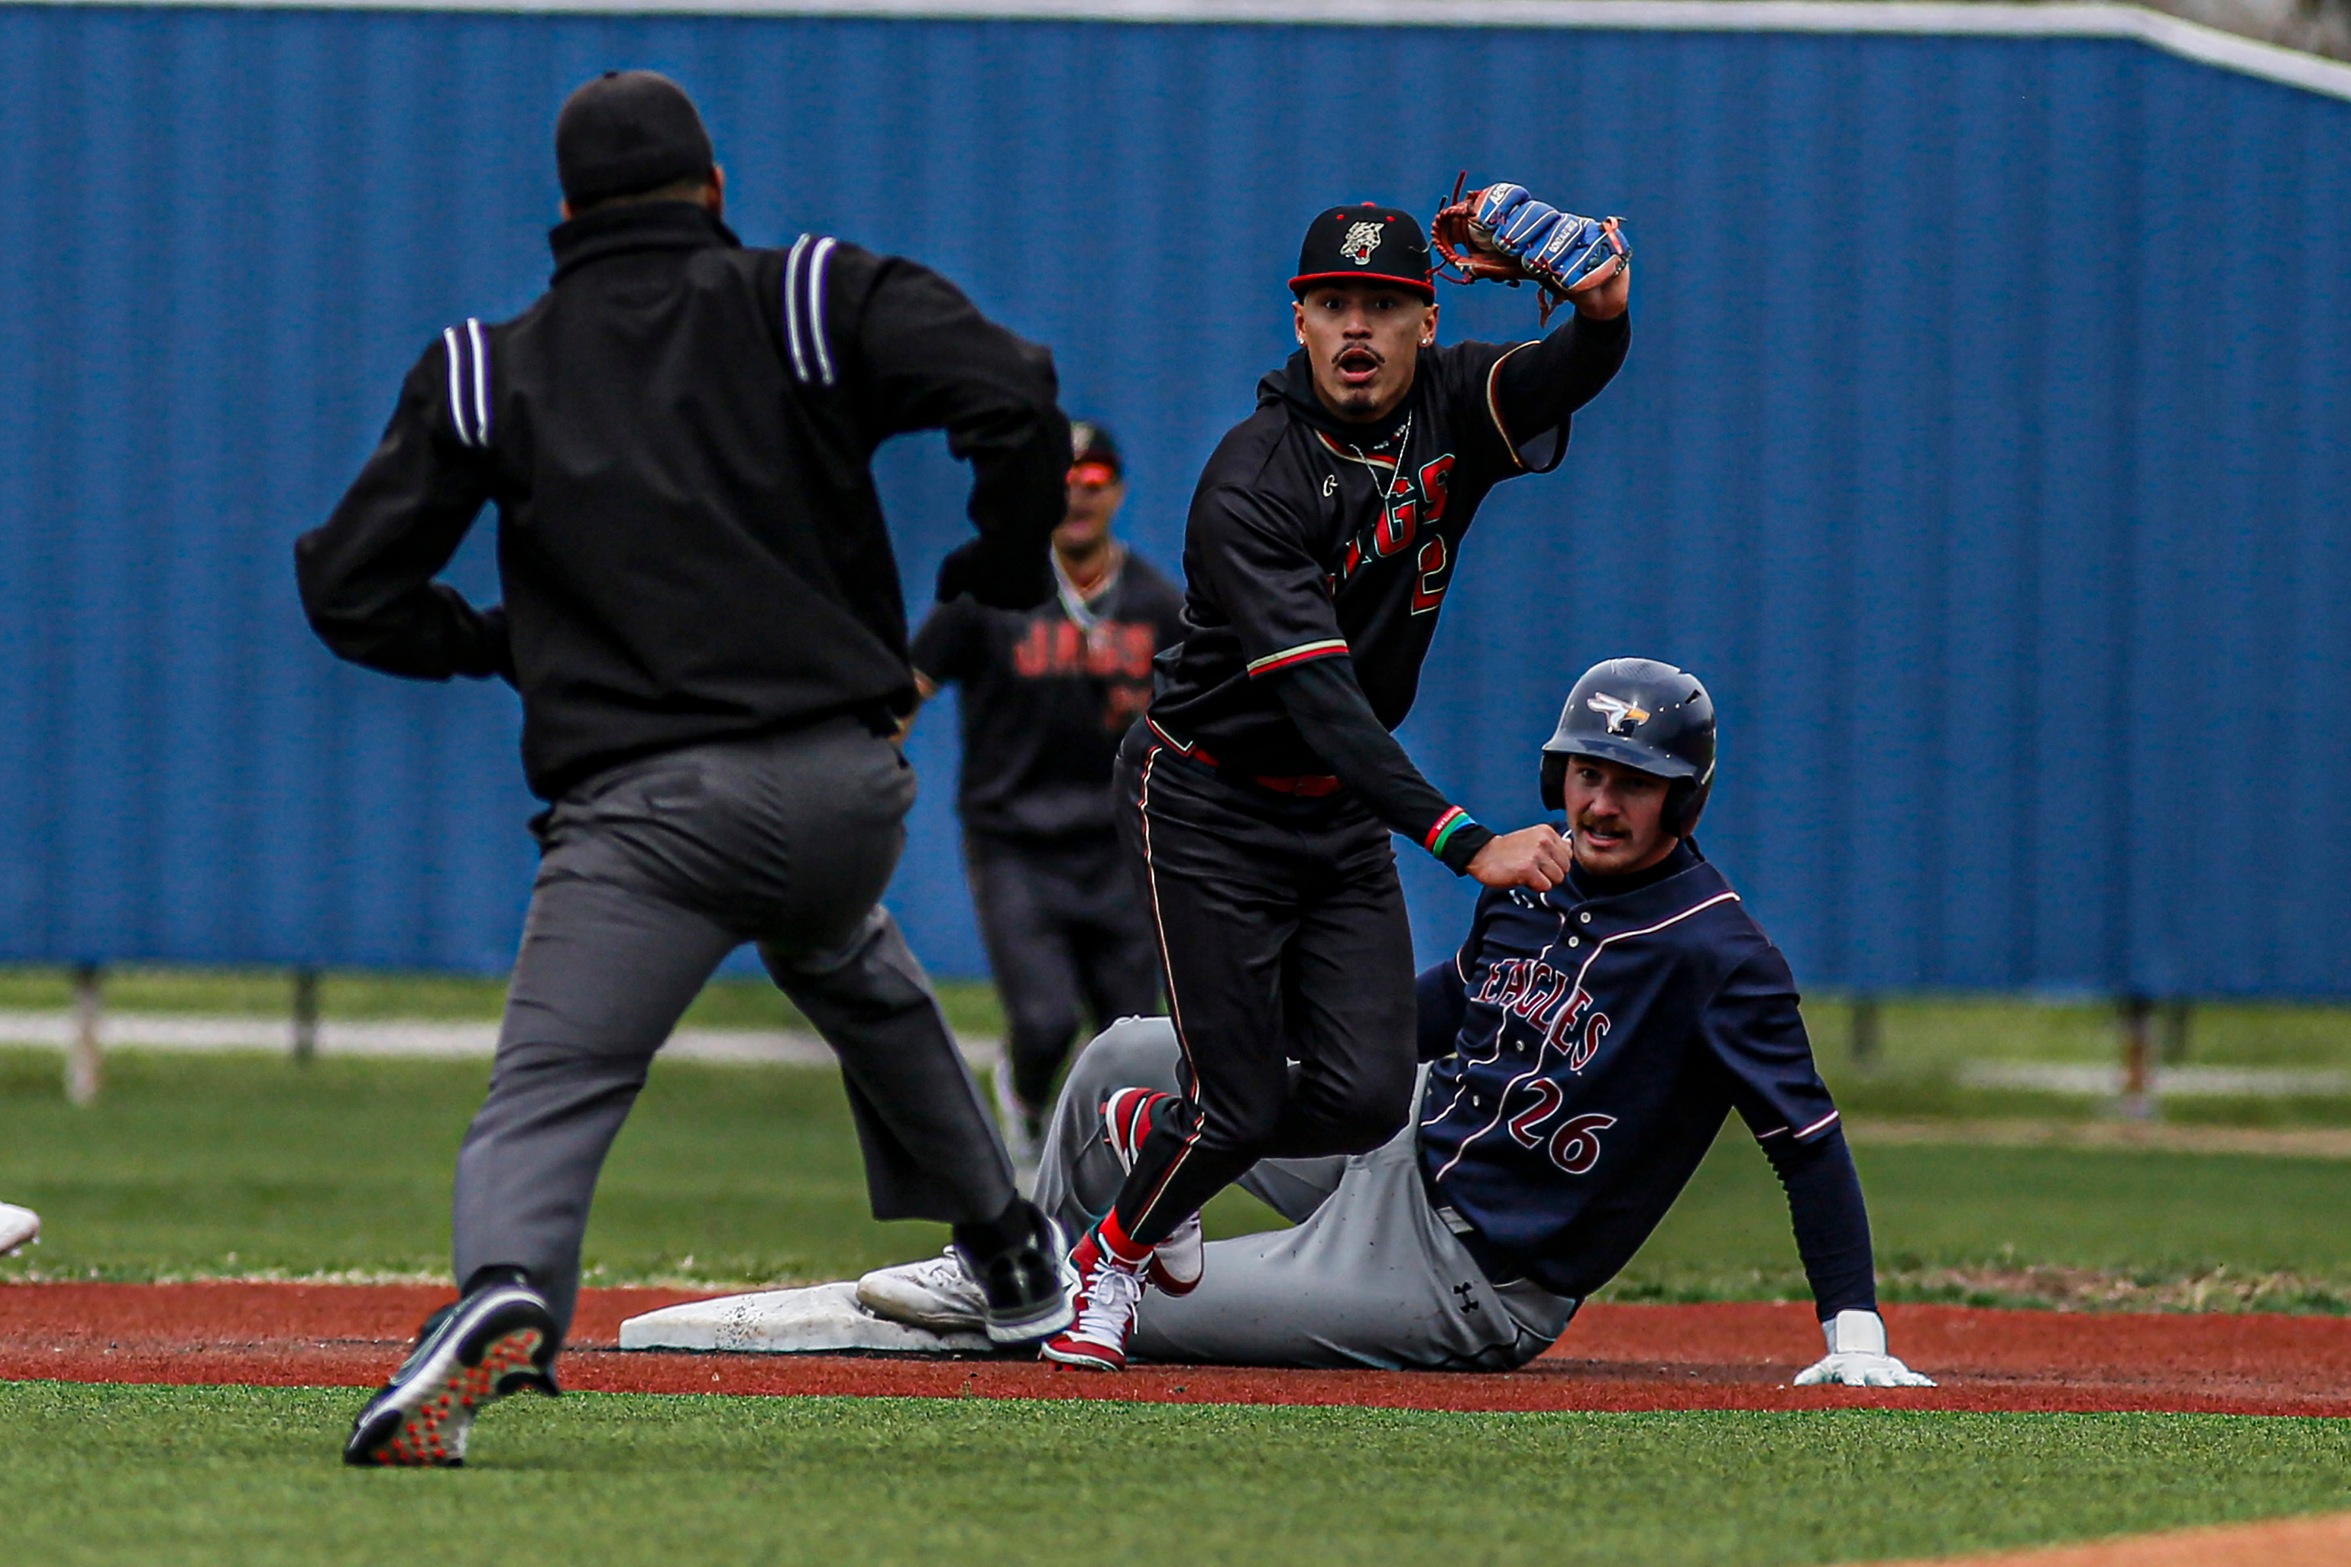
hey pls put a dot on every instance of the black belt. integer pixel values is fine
(1494, 1263)
(1304, 786)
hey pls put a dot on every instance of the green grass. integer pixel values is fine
(1920, 1036)
(356, 996)
(252, 1164)
(2007, 1226)
(245, 1475)
(1923, 1040)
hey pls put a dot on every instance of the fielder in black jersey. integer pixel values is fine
(1047, 695)
(1262, 787)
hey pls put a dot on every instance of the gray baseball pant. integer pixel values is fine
(651, 873)
(1370, 1276)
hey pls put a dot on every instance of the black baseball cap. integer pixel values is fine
(1091, 446)
(1350, 244)
(627, 132)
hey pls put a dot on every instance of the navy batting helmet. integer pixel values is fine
(1648, 716)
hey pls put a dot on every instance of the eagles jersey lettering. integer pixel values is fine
(1602, 1042)
(1309, 538)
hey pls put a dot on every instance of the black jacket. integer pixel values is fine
(677, 436)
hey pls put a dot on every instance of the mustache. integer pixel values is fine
(1352, 349)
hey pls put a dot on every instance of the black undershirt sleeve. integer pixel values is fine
(1832, 1226)
(1539, 385)
(1443, 1001)
(1326, 702)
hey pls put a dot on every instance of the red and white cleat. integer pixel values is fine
(1108, 1291)
(1177, 1261)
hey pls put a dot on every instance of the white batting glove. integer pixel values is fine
(1857, 1356)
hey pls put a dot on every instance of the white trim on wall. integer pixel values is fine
(1969, 18)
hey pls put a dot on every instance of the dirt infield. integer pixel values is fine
(1613, 1357)
(2288, 1542)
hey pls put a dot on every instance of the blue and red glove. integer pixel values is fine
(1559, 249)
(1504, 235)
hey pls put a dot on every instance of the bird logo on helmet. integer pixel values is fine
(1623, 717)
(1645, 715)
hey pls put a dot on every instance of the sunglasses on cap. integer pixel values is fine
(1093, 475)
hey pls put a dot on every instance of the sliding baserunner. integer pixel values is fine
(1264, 782)
(1586, 1045)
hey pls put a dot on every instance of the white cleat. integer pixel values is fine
(19, 1228)
(937, 1293)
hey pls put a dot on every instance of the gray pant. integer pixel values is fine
(1370, 1276)
(652, 873)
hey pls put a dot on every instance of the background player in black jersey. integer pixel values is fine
(1263, 785)
(1587, 1044)
(1047, 694)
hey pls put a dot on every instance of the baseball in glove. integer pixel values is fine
(1502, 234)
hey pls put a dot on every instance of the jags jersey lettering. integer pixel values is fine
(1113, 650)
(1116, 651)
(1414, 506)
(1549, 999)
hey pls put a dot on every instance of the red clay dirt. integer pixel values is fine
(2287, 1542)
(1612, 1358)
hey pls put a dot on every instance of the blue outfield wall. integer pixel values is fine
(1983, 443)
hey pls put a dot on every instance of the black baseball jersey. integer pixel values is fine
(1310, 538)
(1046, 697)
(1600, 1043)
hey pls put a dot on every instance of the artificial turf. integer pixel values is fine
(209, 1166)
(102, 1474)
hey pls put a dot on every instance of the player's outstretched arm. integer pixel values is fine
(1832, 1236)
(1538, 386)
(1756, 1032)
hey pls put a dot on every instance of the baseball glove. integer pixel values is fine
(1502, 234)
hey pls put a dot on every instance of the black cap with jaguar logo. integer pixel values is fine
(1351, 244)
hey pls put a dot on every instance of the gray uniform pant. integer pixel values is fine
(652, 872)
(1370, 1275)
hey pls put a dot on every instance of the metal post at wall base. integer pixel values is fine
(2138, 1059)
(2176, 1016)
(305, 1014)
(85, 1059)
(1868, 1041)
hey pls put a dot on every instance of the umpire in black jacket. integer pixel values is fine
(703, 618)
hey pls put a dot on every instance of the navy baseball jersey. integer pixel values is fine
(1047, 696)
(1310, 538)
(1601, 1041)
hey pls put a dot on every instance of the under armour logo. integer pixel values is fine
(1330, 482)
(1468, 1294)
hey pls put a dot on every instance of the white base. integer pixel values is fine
(820, 1320)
